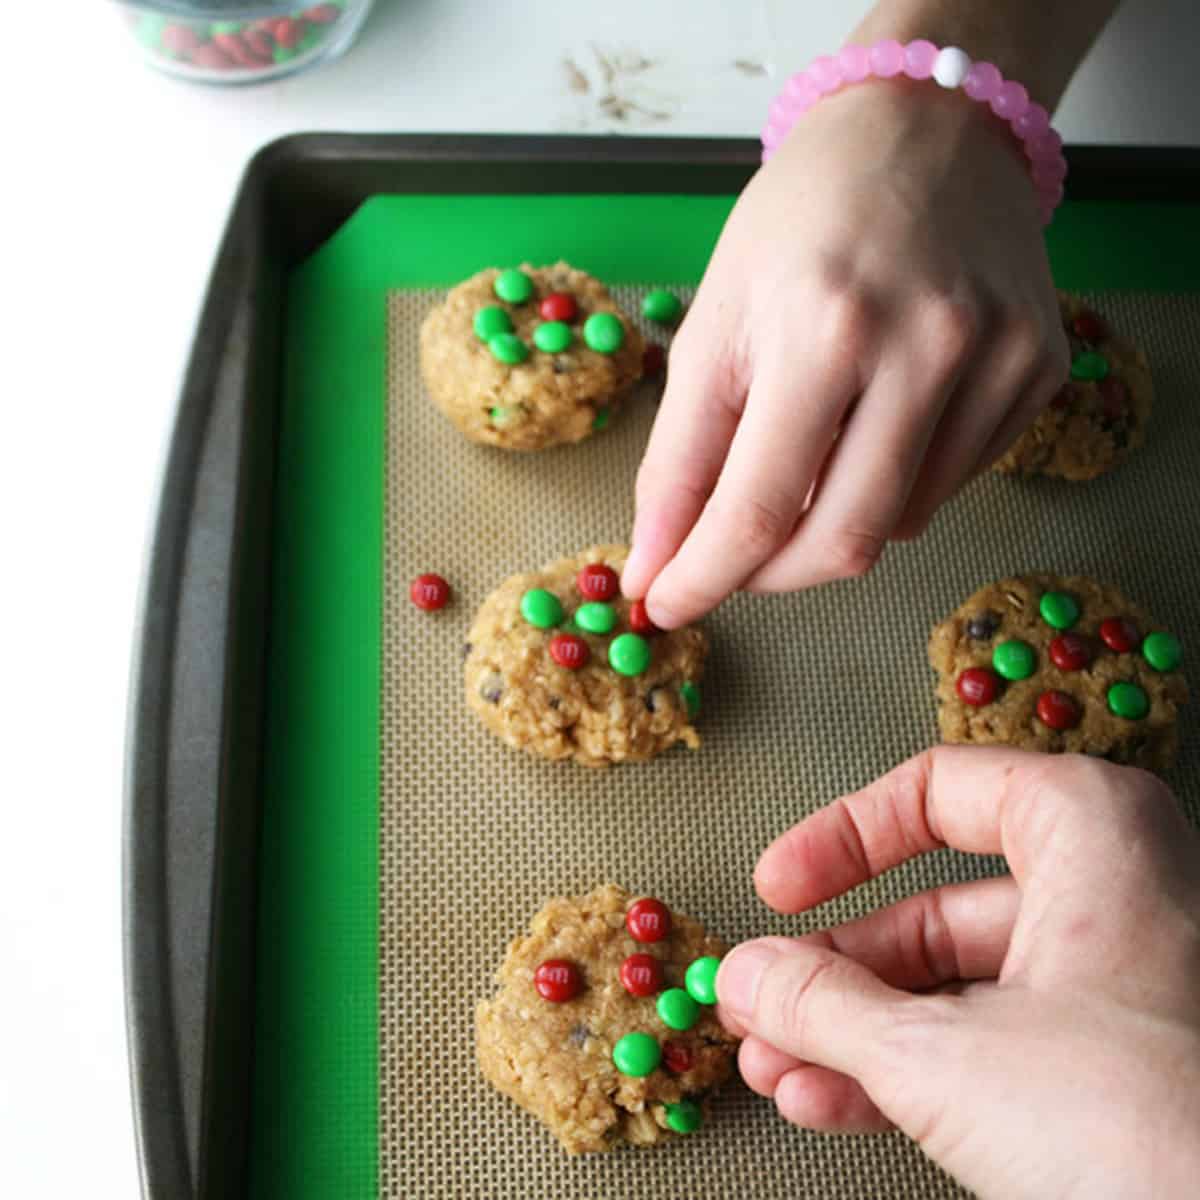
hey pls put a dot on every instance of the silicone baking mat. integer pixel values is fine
(404, 845)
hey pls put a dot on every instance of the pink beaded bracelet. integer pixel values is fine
(949, 67)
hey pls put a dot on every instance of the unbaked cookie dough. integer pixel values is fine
(560, 664)
(1099, 417)
(1060, 664)
(604, 1026)
(529, 357)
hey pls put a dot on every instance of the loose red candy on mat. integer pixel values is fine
(557, 980)
(653, 359)
(642, 975)
(648, 920)
(569, 651)
(1090, 327)
(639, 620)
(429, 592)
(1058, 710)
(558, 306)
(977, 686)
(597, 582)
(1119, 634)
(1070, 652)
(676, 1057)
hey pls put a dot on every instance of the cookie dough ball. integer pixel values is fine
(1098, 419)
(1060, 664)
(560, 664)
(600, 1029)
(529, 357)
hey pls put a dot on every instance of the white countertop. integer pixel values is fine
(119, 181)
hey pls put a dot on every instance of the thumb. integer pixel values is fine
(812, 1003)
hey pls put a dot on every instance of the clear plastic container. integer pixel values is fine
(238, 41)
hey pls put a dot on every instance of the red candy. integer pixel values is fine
(211, 57)
(676, 1057)
(569, 651)
(239, 51)
(597, 582)
(639, 621)
(260, 42)
(288, 32)
(558, 306)
(557, 980)
(1070, 652)
(180, 39)
(1063, 397)
(977, 686)
(642, 975)
(653, 359)
(1057, 710)
(1119, 634)
(1089, 327)
(648, 920)
(322, 14)
(429, 592)
(1114, 396)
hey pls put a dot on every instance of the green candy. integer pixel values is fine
(1059, 609)
(691, 699)
(1128, 700)
(629, 654)
(636, 1054)
(552, 337)
(700, 979)
(1162, 651)
(684, 1117)
(490, 321)
(596, 617)
(149, 29)
(1014, 660)
(541, 608)
(502, 418)
(662, 306)
(600, 421)
(1090, 366)
(677, 1010)
(314, 37)
(604, 333)
(508, 348)
(513, 286)
(226, 27)
(283, 54)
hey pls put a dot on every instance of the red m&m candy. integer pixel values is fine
(639, 620)
(429, 592)
(558, 306)
(1089, 327)
(557, 980)
(977, 686)
(1119, 634)
(653, 359)
(648, 920)
(569, 651)
(642, 975)
(676, 1057)
(1070, 652)
(597, 582)
(1057, 710)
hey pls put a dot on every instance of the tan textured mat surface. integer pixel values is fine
(805, 697)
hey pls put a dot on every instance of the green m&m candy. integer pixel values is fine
(636, 1054)
(691, 699)
(491, 320)
(1089, 366)
(1059, 609)
(1162, 651)
(502, 418)
(513, 286)
(600, 421)
(596, 616)
(677, 1009)
(552, 337)
(604, 333)
(1014, 660)
(700, 979)
(508, 348)
(662, 306)
(1128, 700)
(629, 654)
(541, 608)
(684, 1117)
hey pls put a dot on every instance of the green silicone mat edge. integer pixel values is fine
(315, 1126)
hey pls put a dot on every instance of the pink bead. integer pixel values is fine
(1010, 101)
(887, 58)
(825, 74)
(1045, 145)
(1052, 196)
(855, 63)
(800, 92)
(1033, 122)
(982, 82)
(1053, 170)
(919, 58)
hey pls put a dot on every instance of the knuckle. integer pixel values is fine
(758, 528)
(953, 326)
(789, 1005)
(1027, 342)
(847, 324)
(851, 553)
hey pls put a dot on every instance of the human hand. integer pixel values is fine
(884, 276)
(1066, 1059)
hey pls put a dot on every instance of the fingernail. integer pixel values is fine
(664, 618)
(739, 977)
(632, 565)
